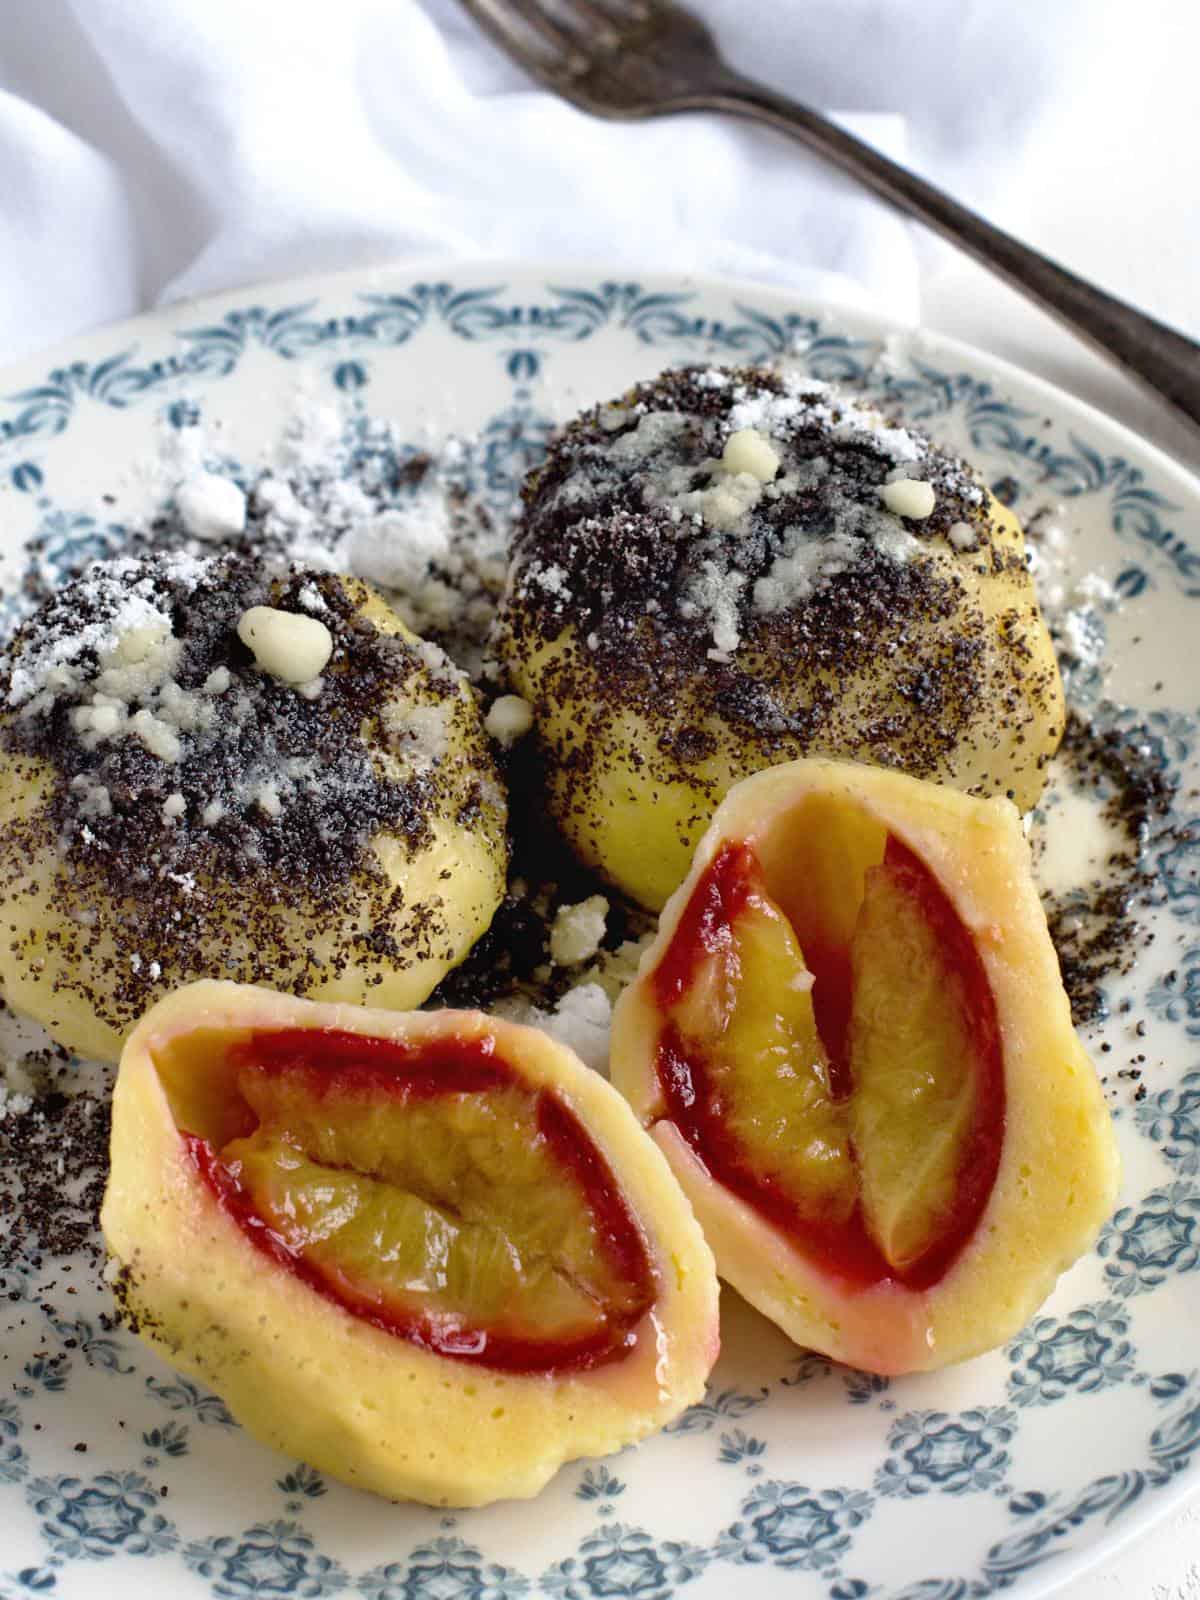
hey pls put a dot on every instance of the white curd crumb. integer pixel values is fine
(103, 720)
(909, 497)
(747, 450)
(12, 1104)
(268, 800)
(290, 647)
(962, 536)
(577, 931)
(211, 507)
(582, 1020)
(159, 737)
(173, 807)
(509, 719)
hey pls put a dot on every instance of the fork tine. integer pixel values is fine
(524, 31)
(596, 24)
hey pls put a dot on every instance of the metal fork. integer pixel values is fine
(633, 59)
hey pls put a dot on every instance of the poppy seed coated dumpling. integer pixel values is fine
(727, 569)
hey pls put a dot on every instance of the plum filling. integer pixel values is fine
(431, 1191)
(840, 1073)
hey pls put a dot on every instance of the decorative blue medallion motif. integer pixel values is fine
(1078, 1354)
(620, 1561)
(792, 1525)
(96, 1518)
(446, 1569)
(1144, 1243)
(270, 1559)
(934, 1452)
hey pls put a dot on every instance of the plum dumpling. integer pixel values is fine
(851, 1040)
(210, 771)
(727, 569)
(431, 1253)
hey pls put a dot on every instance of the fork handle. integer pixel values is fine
(1148, 350)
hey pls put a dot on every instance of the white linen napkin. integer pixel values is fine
(150, 151)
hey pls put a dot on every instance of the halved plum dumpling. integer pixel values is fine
(850, 1039)
(430, 1253)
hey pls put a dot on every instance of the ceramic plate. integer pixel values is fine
(792, 1478)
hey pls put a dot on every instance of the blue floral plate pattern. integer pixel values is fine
(793, 1477)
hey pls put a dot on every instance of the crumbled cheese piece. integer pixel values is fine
(724, 504)
(909, 497)
(94, 798)
(747, 450)
(396, 547)
(159, 737)
(582, 1020)
(805, 562)
(962, 536)
(553, 579)
(290, 647)
(509, 719)
(577, 931)
(420, 734)
(268, 800)
(1093, 588)
(103, 719)
(714, 593)
(139, 645)
(212, 813)
(276, 499)
(43, 672)
(211, 507)
(173, 807)
(13, 1104)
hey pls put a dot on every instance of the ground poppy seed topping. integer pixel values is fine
(200, 728)
(728, 520)
(757, 568)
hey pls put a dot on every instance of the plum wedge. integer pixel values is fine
(851, 1041)
(430, 1253)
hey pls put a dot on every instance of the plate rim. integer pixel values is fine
(547, 268)
(1061, 403)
